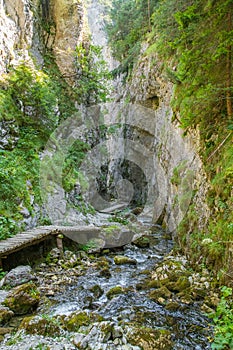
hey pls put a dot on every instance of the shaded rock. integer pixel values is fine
(18, 276)
(124, 260)
(142, 242)
(23, 299)
(5, 314)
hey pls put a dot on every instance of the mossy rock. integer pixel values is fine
(124, 260)
(41, 325)
(73, 322)
(172, 306)
(23, 299)
(115, 291)
(5, 314)
(161, 292)
(148, 284)
(97, 291)
(150, 339)
(142, 242)
(105, 272)
(182, 284)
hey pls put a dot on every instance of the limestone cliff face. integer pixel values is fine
(183, 182)
(70, 28)
(30, 27)
(16, 23)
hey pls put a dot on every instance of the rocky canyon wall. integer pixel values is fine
(182, 180)
(29, 28)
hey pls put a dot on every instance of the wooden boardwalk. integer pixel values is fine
(34, 236)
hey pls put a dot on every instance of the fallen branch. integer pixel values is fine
(221, 144)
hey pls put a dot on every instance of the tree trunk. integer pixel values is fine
(229, 74)
(149, 14)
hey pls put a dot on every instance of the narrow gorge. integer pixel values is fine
(115, 118)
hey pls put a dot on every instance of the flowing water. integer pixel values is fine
(188, 326)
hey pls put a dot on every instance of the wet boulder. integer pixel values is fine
(23, 299)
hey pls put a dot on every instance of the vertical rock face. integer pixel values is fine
(178, 168)
(16, 23)
(67, 17)
(29, 27)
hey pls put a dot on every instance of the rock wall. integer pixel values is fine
(178, 168)
(30, 27)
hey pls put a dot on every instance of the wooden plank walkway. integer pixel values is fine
(38, 234)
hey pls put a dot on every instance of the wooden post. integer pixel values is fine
(60, 244)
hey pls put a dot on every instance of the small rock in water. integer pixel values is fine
(124, 260)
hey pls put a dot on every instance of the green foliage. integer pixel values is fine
(36, 101)
(8, 227)
(92, 75)
(91, 244)
(129, 22)
(119, 219)
(223, 321)
(28, 96)
(76, 155)
(2, 274)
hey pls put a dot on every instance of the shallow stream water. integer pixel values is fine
(188, 326)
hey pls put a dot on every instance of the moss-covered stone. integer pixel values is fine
(73, 322)
(124, 260)
(172, 306)
(5, 314)
(23, 299)
(150, 339)
(114, 291)
(41, 325)
(97, 291)
(142, 242)
(161, 292)
(182, 284)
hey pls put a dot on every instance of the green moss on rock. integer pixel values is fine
(5, 315)
(73, 322)
(124, 260)
(23, 299)
(150, 339)
(41, 325)
(114, 291)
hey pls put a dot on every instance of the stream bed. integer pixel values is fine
(140, 296)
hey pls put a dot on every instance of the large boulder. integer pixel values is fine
(18, 276)
(23, 299)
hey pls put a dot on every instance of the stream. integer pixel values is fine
(188, 327)
(122, 298)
